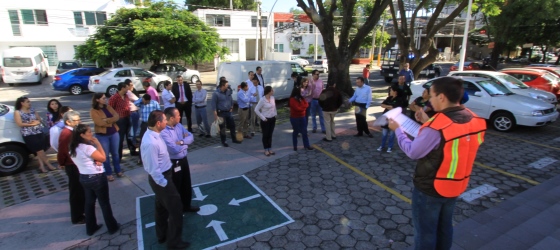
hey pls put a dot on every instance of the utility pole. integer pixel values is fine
(231, 4)
(373, 43)
(260, 32)
(380, 40)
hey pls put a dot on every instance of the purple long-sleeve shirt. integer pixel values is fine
(427, 140)
(171, 135)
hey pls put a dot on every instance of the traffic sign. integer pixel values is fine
(230, 210)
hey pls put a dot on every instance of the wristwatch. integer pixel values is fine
(181, 142)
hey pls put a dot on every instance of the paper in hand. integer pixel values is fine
(408, 125)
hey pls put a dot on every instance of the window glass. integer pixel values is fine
(90, 18)
(101, 17)
(78, 19)
(123, 73)
(14, 19)
(141, 73)
(41, 16)
(17, 62)
(27, 17)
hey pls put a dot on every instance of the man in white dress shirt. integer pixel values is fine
(168, 96)
(256, 92)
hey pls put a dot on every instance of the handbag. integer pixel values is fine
(215, 127)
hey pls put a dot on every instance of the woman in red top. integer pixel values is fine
(298, 105)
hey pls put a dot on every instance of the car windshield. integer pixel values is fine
(318, 62)
(494, 87)
(104, 73)
(4, 109)
(18, 62)
(512, 82)
(551, 78)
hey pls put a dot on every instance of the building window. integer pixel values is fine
(37, 17)
(264, 21)
(311, 28)
(278, 47)
(14, 19)
(231, 44)
(89, 18)
(218, 20)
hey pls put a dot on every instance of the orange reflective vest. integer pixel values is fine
(461, 142)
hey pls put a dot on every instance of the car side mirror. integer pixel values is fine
(478, 93)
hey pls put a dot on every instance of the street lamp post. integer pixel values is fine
(268, 29)
(465, 36)
(380, 40)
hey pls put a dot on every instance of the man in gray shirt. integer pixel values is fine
(169, 209)
(222, 105)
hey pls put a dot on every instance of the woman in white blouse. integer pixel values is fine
(88, 155)
(266, 110)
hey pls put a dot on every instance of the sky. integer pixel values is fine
(281, 5)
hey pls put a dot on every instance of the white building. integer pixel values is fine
(56, 26)
(296, 35)
(239, 31)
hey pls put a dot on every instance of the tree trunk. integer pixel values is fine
(495, 55)
(557, 59)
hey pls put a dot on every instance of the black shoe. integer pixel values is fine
(314, 131)
(237, 142)
(334, 138)
(208, 136)
(325, 139)
(295, 148)
(201, 135)
(161, 241)
(252, 133)
(116, 229)
(370, 135)
(181, 245)
(95, 230)
(79, 222)
(225, 144)
(192, 209)
(309, 148)
(133, 152)
(358, 134)
(324, 132)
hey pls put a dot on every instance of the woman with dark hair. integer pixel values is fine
(53, 114)
(306, 91)
(298, 106)
(32, 131)
(88, 154)
(105, 118)
(395, 99)
(266, 110)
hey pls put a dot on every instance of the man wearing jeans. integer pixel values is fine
(445, 148)
(317, 88)
(120, 103)
(199, 100)
(222, 105)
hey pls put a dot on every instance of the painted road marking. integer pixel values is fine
(198, 195)
(151, 224)
(477, 192)
(235, 202)
(542, 163)
(207, 209)
(556, 139)
(217, 225)
(507, 173)
(376, 182)
(523, 140)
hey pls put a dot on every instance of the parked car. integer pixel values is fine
(174, 69)
(433, 70)
(491, 100)
(541, 65)
(23, 65)
(75, 80)
(553, 70)
(302, 62)
(107, 81)
(14, 155)
(466, 66)
(321, 65)
(65, 65)
(513, 84)
(539, 79)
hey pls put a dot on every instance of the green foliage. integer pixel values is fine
(205, 4)
(295, 10)
(311, 50)
(379, 37)
(158, 32)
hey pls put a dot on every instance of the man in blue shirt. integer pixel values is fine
(177, 140)
(243, 102)
(361, 99)
(222, 105)
(168, 215)
(407, 73)
(146, 107)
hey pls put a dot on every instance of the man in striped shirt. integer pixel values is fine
(146, 105)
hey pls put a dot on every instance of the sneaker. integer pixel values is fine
(389, 150)
(379, 148)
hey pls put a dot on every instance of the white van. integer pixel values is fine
(24, 64)
(276, 74)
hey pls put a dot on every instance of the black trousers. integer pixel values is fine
(267, 130)
(361, 122)
(185, 108)
(77, 196)
(228, 120)
(124, 127)
(169, 211)
(143, 129)
(182, 181)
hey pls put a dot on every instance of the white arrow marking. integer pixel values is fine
(217, 225)
(198, 195)
(235, 202)
(150, 224)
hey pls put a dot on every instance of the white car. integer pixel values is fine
(302, 62)
(491, 100)
(14, 155)
(511, 83)
(107, 81)
(321, 65)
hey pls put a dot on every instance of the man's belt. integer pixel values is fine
(199, 107)
(244, 108)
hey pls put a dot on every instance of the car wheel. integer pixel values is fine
(503, 121)
(194, 78)
(160, 87)
(111, 90)
(76, 89)
(13, 159)
(388, 79)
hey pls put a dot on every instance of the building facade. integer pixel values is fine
(296, 34)
(55, 26)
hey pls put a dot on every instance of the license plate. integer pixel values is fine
(423, 72)
(19, 73)
(390, 74)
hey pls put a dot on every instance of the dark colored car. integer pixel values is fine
(467, 66)
(433, 70)
(75, 80)
(65, 65)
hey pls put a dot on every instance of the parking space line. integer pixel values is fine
(507, 173)
(376, 182)
(523, 140)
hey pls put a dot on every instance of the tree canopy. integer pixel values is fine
(161, 31)
(221, 4)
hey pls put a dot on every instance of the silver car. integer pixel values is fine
(14, 155)
(174, 69)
